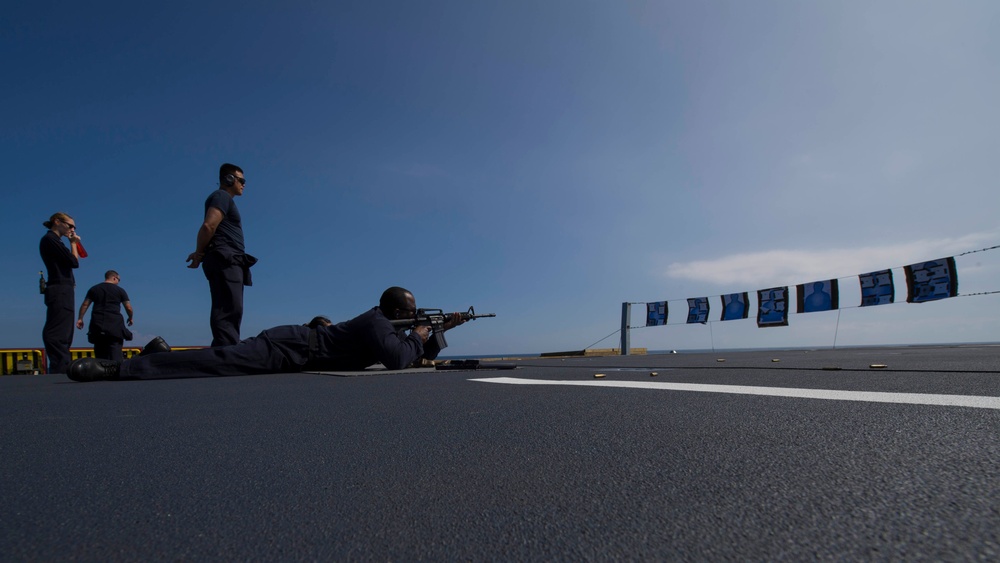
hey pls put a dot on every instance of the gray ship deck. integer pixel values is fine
(817, 455)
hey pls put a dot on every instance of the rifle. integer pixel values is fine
(436, 319)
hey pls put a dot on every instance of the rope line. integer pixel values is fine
(841, 308)
(980, 250)
(710, 322)
(980, 293)
(605, 338)
(838, 279)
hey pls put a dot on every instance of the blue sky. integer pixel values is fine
(545, 161)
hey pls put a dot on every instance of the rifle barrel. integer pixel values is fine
(442, 317)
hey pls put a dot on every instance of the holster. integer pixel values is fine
(234, 258)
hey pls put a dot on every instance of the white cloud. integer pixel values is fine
(783, 266)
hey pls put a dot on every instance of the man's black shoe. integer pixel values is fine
(155, 346)
(93, 369)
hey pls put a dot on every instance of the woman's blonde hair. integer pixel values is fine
(60, 216)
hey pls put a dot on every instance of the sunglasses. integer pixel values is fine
(242, 181)
(71, 226)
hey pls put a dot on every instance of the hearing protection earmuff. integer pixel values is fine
(229, 180)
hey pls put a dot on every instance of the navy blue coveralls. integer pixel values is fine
(60, 302)
(107, 331)
(352, 345)
(227, 269)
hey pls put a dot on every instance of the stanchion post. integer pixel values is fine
(626, 314)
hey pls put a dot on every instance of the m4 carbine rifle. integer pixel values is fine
(436, 318)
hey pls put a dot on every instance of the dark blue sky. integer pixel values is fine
(545, 161)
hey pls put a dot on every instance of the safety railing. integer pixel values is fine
(31, 361)
(22, 361)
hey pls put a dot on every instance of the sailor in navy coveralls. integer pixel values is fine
(59, 297)
(221, 254)
(107, 330)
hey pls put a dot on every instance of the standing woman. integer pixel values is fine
(59, 294)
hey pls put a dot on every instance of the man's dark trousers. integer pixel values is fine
(282, 349)
(225, 281)
(108, 348)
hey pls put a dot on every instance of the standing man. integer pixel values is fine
(220, 252)
(107, 328)
(59, 293)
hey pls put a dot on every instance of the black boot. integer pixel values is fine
(155, 346)
(93, 369)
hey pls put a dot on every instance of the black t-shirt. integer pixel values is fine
(58, 259)
(106, 315)
(229, 233)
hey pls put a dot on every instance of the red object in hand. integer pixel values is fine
(80, 250)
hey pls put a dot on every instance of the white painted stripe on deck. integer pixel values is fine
(826, 394)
